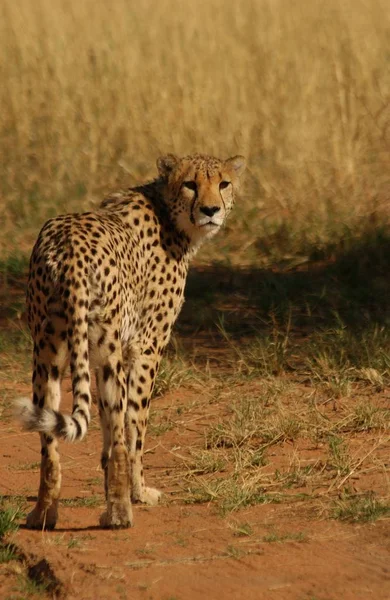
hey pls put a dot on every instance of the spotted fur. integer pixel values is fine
(104, 291)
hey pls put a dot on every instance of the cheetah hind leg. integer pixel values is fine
(119, 512)
(115, 464)
(45, 513)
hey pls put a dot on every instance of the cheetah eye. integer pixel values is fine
(223, 185)
(190, 185)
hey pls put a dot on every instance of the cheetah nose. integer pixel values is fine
(209, 210)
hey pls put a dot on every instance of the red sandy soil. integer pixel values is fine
(181, 551)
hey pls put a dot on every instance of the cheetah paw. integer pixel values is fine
(42, 519)
(118, 516)
(149, 496)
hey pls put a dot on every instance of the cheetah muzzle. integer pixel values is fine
(104, 290)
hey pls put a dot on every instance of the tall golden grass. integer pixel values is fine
(93, 91)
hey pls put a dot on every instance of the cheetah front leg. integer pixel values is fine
(140, 386)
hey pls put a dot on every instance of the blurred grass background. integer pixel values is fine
(93, 91)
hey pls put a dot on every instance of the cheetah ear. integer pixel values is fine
(166, 164)
(237, 164)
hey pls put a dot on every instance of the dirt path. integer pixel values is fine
(181, 551)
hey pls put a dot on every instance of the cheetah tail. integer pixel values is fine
(45, 420)
(79, 365)
(50, 421)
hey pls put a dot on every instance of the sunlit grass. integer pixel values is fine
(91, 94)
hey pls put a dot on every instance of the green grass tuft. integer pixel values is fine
(9, 517)
(360, 509)
(90, 501)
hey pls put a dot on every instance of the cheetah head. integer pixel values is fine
(199, 192)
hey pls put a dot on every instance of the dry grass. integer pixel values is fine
(92, 92)
(281, 443)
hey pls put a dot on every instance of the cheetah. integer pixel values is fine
(104, 290)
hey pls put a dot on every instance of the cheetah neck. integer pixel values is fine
(184, 247)
(179, 244)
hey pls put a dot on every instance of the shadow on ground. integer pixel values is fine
(347, 286)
